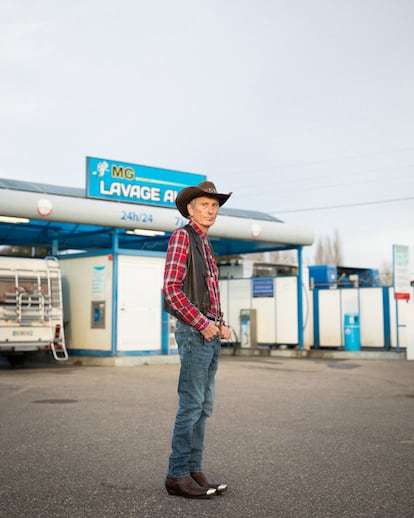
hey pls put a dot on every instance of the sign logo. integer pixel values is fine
(44, 207)
(122, 181)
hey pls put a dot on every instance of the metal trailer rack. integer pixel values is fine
(31, 308)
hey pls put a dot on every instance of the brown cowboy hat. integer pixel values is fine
(202, 189)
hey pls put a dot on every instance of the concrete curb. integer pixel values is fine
(318, 354)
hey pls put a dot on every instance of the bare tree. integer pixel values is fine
(257, 257)
(338, 255)
(320, 252)
(275, 257)
(329, 250)
(386, 274)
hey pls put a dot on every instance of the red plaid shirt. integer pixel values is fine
(175, 272)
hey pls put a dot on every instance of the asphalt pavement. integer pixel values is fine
(292, 438)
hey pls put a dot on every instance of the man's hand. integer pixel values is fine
(225, 332)
(211, 331)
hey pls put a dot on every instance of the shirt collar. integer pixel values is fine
(197, 228)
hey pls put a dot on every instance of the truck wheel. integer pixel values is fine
(16, 360)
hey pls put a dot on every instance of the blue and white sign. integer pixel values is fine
(263, 287)
(401, 269)
(122, 181)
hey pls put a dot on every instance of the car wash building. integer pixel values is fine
(111, 240)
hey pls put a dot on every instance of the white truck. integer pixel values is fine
(31, 308)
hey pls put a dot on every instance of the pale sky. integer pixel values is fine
(294, 105)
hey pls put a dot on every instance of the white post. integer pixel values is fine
(410, 332)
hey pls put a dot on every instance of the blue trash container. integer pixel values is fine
(352, 332)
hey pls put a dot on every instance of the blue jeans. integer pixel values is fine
(199, 362)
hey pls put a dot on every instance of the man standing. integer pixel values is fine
(191, 293)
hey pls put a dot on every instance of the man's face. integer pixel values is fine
(203, 211)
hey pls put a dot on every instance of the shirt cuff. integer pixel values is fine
(203, 324)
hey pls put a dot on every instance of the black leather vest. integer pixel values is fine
(195, 284)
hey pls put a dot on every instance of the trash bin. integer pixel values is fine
(352, 332)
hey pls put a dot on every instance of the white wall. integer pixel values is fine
(368, 303)
(139, 303)
(277, 316)
(139, 307)
(138, 312)
(86, 279)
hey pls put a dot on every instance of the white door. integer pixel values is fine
(139, 303)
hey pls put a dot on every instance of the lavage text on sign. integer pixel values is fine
(138, 192)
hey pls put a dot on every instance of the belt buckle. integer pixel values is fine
(216, 320)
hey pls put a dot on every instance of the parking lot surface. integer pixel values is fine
(296, 438)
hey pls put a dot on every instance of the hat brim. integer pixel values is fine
(190, 193)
